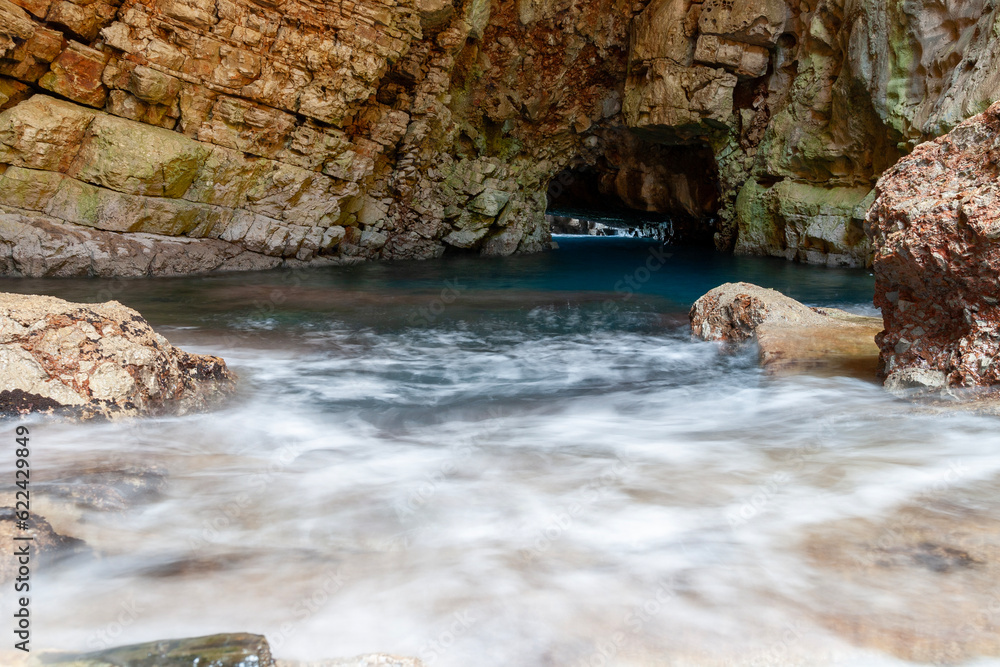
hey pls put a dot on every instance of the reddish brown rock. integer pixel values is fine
(935, 229)
(76, 74)
(97, 360)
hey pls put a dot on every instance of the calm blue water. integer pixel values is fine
(491, 462)
(585, 272)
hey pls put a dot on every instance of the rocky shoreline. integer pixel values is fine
(98, 361)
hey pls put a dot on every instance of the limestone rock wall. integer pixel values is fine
(256, 134)
(173, 136)
(806, 103)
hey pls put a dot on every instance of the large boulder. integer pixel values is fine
(935, 229)
(791, 336)
(93, 360)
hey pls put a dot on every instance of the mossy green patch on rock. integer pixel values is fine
(803, 221)
(224, 650)
(137, 159)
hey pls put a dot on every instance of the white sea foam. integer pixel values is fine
(496, 498)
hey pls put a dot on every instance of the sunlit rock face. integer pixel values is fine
(267, 134)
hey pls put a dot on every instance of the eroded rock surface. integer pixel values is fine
(46, 547)
(263, 134)
(177, 136)
(91, 360)
(935, 226)
(791, 336)
(224, 650)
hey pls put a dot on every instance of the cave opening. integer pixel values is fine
(632, 187)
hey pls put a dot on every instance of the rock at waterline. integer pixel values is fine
(46, 546)
(97, 360)
(791, 336)
(926, 574)
(935, 230)
(224, 650)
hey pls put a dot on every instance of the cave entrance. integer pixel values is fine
(637, 188)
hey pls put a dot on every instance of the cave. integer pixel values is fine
(631, 187)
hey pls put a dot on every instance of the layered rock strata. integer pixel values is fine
(97, 360)
(935, 227)
(264, 134)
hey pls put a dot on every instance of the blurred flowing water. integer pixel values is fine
(492, 462)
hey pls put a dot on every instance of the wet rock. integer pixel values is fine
(34, 244)
(791, 336)
(920, 583)
(374, 660)
(104, 488)
(98, 360)
(934, 227)
(224, 650)
(46, 547)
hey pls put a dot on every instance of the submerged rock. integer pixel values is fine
(223, 650)
(91, 360)
(104, 488)
(791, 336)
(935, 227)
(373, 660)
(46, 547)
(922, 582)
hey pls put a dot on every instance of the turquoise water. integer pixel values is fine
(585, 272)
(491, 462)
